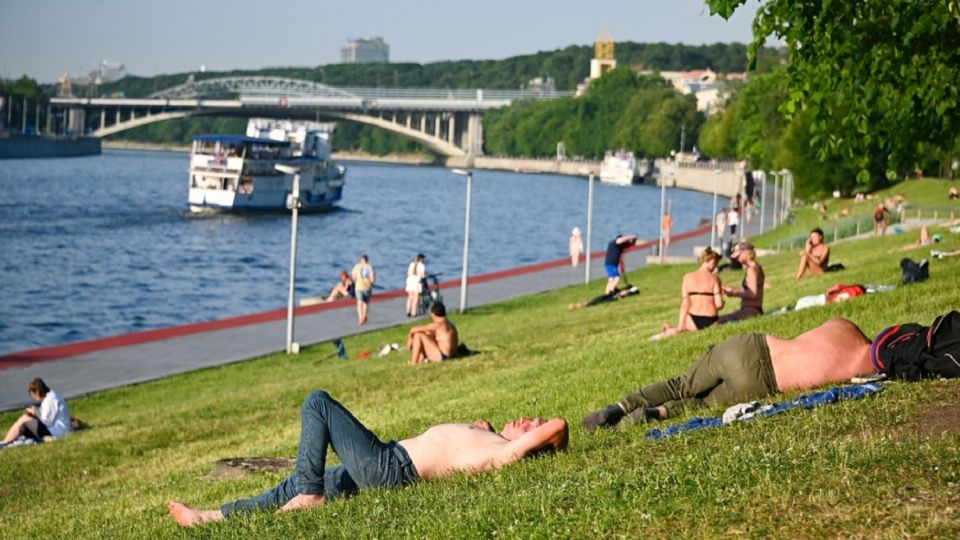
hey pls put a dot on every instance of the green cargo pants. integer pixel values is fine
(736, 370)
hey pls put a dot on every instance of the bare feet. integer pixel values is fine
(303, 501)
(188, 517)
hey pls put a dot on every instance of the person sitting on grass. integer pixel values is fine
(751, 292)
(433, 342)
(441, 451)
(52, 419)
(815, 256)
(700, 297)
(746, 367)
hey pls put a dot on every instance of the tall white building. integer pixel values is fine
(365, 51)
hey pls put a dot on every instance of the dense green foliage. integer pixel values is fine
(885, 466)
(876, 82)
(619, 110)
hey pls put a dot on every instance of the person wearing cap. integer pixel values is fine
(575, 246)
(613, 262)
(751, 291)
(416, 273)
(815, 256)
(746, 367)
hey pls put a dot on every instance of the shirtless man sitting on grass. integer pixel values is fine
(441, 451)
(433, 342)
(749, 366)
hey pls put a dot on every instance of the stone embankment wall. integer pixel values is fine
(693, 176)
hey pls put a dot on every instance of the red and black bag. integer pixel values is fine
(913, 352)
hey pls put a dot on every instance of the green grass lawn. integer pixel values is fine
(886, 466)
(927, 194)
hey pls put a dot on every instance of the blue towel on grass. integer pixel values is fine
(808, 401)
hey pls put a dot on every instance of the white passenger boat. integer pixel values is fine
(619, 167)
(238, 172)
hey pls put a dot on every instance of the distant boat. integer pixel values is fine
(238, 173)
(619, 167)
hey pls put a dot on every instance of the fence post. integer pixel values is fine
(858, 227)
(835, 230)
(935, 214)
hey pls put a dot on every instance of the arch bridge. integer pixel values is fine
(449, 122)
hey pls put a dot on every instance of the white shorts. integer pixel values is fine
(413, 284)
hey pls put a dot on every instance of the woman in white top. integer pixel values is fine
(416, 273)
(52, 419)
(576, 247)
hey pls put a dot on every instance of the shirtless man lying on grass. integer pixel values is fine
(433, 342)
(749, 366)
(442, 450)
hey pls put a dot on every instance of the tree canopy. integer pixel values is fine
(874, 83)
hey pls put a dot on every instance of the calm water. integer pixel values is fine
(99, 246)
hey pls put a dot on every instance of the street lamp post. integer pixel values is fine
(763, 201)
(466, 239)
(713, 217)
(586, 275)
(293, 203)
(776, 195)
(663, 197)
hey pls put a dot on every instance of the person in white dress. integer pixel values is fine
(576, 247)
(416, 273)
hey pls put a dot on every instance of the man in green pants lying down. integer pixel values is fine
(749, 366)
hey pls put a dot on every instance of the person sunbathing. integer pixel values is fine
(441, 451)
(749, 366)
(50, 419)
(815, 256)
(616, 294)
(751, 290)
(700, 297)
(433, 342)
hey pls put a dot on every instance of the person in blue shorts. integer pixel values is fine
(614, 260)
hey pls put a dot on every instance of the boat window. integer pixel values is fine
(246, 186)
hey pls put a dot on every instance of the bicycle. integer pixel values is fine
(429, 294)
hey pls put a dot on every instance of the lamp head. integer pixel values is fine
(460, 172)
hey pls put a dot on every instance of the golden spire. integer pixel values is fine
(604, 46)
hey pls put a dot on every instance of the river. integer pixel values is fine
(103, 245)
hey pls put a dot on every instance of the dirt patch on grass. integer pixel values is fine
(938, 420)
(247, 465)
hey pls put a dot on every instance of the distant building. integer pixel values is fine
(365, 51)
(710, 88)
(603, 61)
(107, 71)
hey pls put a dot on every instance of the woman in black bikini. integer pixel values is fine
(701, 297)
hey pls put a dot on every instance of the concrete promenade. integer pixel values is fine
(80, 368)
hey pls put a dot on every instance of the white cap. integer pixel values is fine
(576, 230)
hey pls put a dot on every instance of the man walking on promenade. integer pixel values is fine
(614, 260)
(441, 451)
(364, 277)
(749, 366)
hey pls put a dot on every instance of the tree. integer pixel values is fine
(878, 79)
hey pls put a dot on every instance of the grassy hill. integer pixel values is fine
(886, 466)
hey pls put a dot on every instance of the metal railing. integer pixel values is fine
(857, 226)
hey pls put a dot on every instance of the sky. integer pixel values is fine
(44, 39)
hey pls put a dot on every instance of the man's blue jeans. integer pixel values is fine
(367, 461)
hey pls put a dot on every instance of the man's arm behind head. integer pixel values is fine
(551, 436)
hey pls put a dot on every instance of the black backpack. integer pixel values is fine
(913, 352)
(914, 272)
